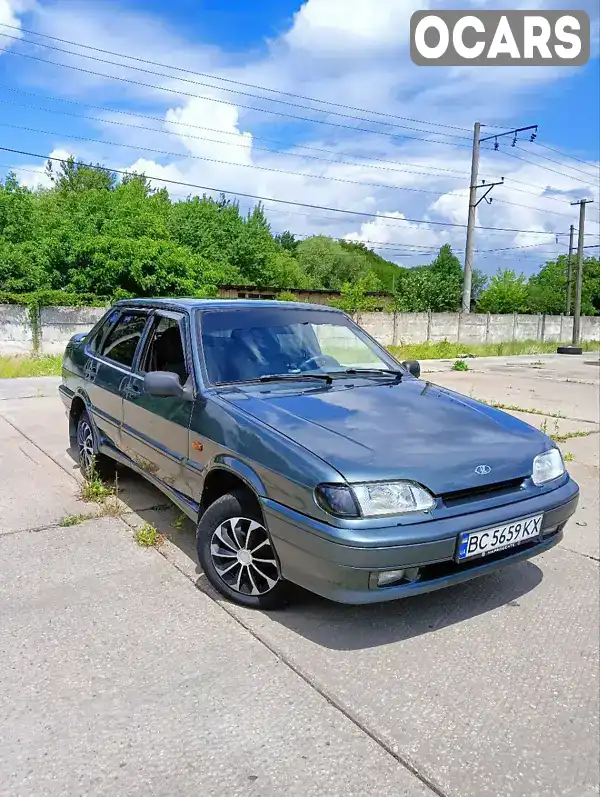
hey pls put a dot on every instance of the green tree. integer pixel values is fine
(287, 240)
(506, 293)
(547, 289)
(478, 283)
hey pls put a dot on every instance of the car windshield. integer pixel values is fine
(247, 344)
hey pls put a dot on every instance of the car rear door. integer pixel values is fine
(155, 431)
(110, 357)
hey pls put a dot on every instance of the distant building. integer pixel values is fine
(313, 297)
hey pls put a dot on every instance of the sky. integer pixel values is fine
(314, 103)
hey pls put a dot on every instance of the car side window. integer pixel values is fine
(165, 351)
(97, 341)
(121, 342)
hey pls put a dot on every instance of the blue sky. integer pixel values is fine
(201, 127)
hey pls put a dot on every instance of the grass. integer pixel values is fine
(179, 522)
(148, 537)
(562, 438)
(460, 365)
(19, 365)
(557, 436)
(94, 490)
(75, 520)
(515, 408)
(445, 350)
(568, 457)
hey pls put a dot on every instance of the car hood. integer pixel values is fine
(409, 430)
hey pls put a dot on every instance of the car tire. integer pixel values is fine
(87, 450)
(569, 350)
(227, 534)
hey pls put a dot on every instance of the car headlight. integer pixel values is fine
(547, 466)
(376, 499)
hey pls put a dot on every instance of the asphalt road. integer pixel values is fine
(123, 674)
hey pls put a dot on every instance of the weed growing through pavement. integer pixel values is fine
(569, 456)
(93, 489)
(179, 522)
(148, 537)
(515, 408)
(75, 520)
(562, 438)
(460, 365)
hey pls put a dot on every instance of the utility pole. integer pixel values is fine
(466, 297)
(473, 201)
(577, 308)
(569, 271)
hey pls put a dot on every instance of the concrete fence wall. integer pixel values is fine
(397, 329)
(49, 332)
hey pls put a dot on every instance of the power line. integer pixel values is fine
(564, 154)
(281, 201)
(224, 79)
(547, 168)
(553, 160)
(447, 172)
(219, 88)
(393, 248)
(257, 167)
(453, 176)
(185, 156)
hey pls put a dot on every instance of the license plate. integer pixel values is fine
(497, 538)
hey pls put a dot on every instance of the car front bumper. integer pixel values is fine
(315, 556)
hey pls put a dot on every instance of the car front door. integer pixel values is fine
(110, 357)
(155, 431)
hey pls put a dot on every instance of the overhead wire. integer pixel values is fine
(295, 203)
(184, 155)
(219, 88)
(564, 154)
(553, 160)
(227, 80)
(541, 166)
(454, 175)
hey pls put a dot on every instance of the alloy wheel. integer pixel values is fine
(85, 444)
(243, 556)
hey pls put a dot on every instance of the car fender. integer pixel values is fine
(241, 470)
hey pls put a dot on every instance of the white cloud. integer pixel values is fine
(35, 175)
(10, 11)
(351, 28)
(354, 53)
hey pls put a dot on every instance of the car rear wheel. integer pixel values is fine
(237, 555)
(90, 460)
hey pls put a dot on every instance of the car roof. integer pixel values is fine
(221, 304)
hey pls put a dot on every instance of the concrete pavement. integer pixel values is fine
(120, 677)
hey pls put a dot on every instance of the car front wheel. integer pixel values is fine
(237, 555)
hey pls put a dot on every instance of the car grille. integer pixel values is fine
(458, 497)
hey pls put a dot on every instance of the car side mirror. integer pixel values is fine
(413, 366)
(162, 383)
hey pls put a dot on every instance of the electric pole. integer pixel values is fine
(569, 271)
(577, 307)
(473, 201)
(466, 297)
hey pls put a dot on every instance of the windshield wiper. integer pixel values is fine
(293, 378)
(371, 372)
